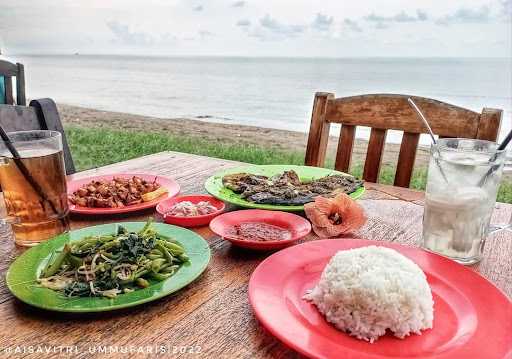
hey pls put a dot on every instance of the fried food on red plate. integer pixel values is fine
(331, 217)
(117, 193)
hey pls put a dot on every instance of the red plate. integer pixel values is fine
(298, 226)
(195, 221)
(172, 186)
(472, 318)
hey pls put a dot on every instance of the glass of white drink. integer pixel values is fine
(462, 184)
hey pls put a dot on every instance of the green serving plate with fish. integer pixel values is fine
(215, 186)
(23, 274)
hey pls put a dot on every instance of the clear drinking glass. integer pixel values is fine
(5, 223)
(462, 184)
(507, 172)
(35, 199)
(5, 230)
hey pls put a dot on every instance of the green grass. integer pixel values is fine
(99, 147)
(387, 175)
(95, 147)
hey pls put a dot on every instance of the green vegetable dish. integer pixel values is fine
(108, 265)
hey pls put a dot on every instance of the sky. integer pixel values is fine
(328, 28)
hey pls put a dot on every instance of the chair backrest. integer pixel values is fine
(384, 112)
(9, 70)
(40, 115)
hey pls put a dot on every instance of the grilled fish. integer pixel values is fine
(287, 189)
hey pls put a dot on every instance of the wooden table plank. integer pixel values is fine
(213, 312)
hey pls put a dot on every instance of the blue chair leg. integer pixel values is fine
(2, 90)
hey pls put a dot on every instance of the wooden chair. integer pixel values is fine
(384, 112)
(8, 71)
(40, 115)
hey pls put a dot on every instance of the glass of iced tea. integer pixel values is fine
(35, 196)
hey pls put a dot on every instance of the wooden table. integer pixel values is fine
(213, 313)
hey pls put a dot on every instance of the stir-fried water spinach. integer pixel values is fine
(108, 265)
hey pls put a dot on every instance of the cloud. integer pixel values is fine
(381, 26)
(506, 10)
(376, 18)
(322, 22)
(124, 36)
(275, 27)
(421, 15)
(269, 29)
(243, 23)
(240, 3)
(204, 34)
(167, 38)
(352, 25)
(400, 17)
(467, 16)
(198, 8)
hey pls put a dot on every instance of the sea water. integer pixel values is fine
(266, 92)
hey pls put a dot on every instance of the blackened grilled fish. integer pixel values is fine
(287, 189)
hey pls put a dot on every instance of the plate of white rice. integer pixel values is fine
(351, 298)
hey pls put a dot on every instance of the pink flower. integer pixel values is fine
(331, 217)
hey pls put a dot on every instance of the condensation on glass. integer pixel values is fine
(462, 185)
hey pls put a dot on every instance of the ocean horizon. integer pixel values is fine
(271, 92)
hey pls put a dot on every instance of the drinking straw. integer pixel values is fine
(24, 171)
(434, 142)
(501, 147)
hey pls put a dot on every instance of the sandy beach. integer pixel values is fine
(223, 133)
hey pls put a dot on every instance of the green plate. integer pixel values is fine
(214, 184)
(22, 274)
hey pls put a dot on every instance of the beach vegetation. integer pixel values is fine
(93, 147)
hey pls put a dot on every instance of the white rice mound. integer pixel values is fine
(365, 291)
